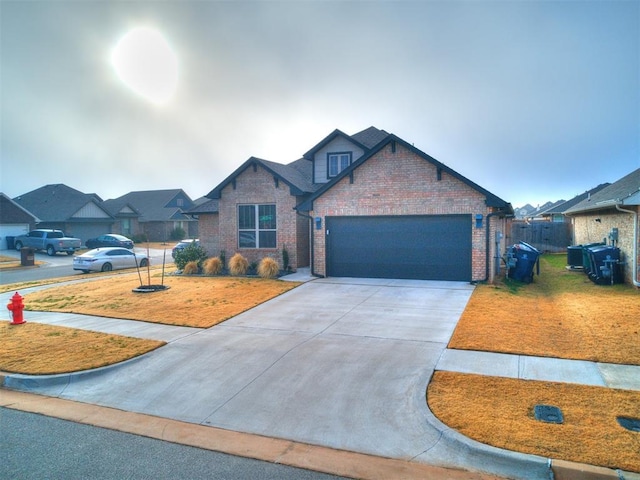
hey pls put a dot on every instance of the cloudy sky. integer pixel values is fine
(532, 100)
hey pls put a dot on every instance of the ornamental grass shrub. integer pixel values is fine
(268, 268)
(238, 265)
(212, 266)
(191, 268)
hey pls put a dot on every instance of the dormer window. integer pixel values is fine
(337, 162)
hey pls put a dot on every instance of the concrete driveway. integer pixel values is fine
(342, 363)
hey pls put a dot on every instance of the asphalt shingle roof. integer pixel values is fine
(617, 193)
(56, 202)
(152, 204)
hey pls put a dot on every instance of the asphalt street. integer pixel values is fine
(59, 266)
(36, 447)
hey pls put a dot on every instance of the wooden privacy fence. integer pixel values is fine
(545, 236)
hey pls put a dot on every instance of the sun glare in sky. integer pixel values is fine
(145, 62)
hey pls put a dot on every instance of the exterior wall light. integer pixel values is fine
(318, 221)
(479, 220)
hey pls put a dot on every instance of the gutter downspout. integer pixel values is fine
(635, 243)
(311, 251)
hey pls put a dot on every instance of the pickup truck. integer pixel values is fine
(51, 241)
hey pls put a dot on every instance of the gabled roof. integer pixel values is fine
(5, 198)
(298, 175)
(561, 207)
(120, 208)
(210, 206)
(365, 140)
(153, 204)
(370, 137)
(625, 191)
(491, 199)
(545, 208)
(292, 175)
(57, 202)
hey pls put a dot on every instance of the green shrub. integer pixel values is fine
(177, 233)
(191, 253)
(139, 238)
(268, 268)
(212, 266)
(191, 268)
(238, 265)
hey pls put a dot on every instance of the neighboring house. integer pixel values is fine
(523, 212)
(611, 215)
(366, 205)
(14, 220)
(58, 206)
(556, 214)
(539, 213)
(158, 212)
(126, 216)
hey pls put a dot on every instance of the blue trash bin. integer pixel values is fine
(523, 259)
(605, 265)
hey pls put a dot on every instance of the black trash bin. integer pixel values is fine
(522, 260)
(11, 244)
(27, 257)
(574, 256)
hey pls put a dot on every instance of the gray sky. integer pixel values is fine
(532, 100)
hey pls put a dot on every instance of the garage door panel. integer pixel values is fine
(430, 247)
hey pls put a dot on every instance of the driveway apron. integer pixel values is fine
(342, 363)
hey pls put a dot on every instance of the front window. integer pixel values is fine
(257, 226)
(126, 226)
(337, 162)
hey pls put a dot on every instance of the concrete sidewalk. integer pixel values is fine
(525, 367)
(338, 363)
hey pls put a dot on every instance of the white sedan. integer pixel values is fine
(107, 259)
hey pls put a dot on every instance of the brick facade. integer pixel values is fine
(401, 182)
(255, 185)
(595, 227)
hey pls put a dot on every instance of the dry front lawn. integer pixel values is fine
(500, 412)
(190, 301)
(561, 314)
(37, 349)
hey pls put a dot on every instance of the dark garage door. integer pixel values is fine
(427, 247)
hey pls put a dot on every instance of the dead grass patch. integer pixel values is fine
(499, 412)
(562, 314)
(191, 301)
(37, 349)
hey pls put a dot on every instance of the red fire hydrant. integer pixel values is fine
(16, 307)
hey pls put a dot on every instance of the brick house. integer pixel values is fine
(365, 205)
(61, 207)
(611, 215)
(156, 213)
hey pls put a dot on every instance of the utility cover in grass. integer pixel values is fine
(632, 424)
(548, 413)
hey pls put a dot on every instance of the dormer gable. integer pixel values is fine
(337, 151)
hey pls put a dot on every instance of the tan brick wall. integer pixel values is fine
(403, 183)
(258, 187)
(588, 230)
(208, 226)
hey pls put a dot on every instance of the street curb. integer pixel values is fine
(565, 470)
(273, 450)
(28, 382)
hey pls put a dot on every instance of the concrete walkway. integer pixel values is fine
(340, 363)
